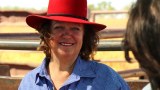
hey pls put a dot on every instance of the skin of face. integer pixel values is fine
(66, 39)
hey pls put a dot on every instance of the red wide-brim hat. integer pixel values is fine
(74, 11)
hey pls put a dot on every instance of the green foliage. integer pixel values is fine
(102, 6)
(128, 7)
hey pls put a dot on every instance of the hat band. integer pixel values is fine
(68, 15)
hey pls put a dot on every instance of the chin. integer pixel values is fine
(66, 53)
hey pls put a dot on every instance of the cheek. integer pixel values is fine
(52, 43)
(81, 40)
(81, 37)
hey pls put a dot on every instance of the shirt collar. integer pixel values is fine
(82, 68)
(42, 71)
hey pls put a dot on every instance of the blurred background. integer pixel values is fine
(18, 42)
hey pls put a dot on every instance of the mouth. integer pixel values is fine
(66, 44)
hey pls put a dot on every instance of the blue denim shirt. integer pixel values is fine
(87, 75)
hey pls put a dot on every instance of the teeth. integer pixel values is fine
(66, 44)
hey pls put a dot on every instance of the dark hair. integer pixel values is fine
(142, 37)
(90, 41)
(89, 45)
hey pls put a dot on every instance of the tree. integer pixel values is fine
(128, 7)
(102, 6)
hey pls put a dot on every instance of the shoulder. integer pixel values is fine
(29, 78)
(108, 76)
(103, 70)
(32, 74)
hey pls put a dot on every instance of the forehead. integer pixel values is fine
(66, 23)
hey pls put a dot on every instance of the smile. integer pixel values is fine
(66, 44)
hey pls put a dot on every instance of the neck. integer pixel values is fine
(62, 64)
(60, 69)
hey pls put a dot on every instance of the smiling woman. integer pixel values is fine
(65, 38)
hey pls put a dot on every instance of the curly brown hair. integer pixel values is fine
(89, 46)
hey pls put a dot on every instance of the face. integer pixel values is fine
(66, 38)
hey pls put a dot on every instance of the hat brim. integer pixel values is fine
(35, 20)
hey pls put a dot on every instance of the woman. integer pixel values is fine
(143, 38)
(69, 40)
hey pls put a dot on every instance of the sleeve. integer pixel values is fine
(27, 82)
(120, 82)
(117, 81)
(123, 84)
(24, 84)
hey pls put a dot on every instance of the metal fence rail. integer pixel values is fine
(30, 41)
(10, 44)
(20, 36)
(111, 33)
(95, 13)
(104, 34)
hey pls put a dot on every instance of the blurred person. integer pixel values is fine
(142, 37)
(69, 41)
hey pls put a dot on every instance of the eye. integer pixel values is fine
(75, 29)
(58, 28)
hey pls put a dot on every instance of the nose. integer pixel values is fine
(67, 33)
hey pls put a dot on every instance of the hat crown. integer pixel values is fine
(74, 11)
(77, 8)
